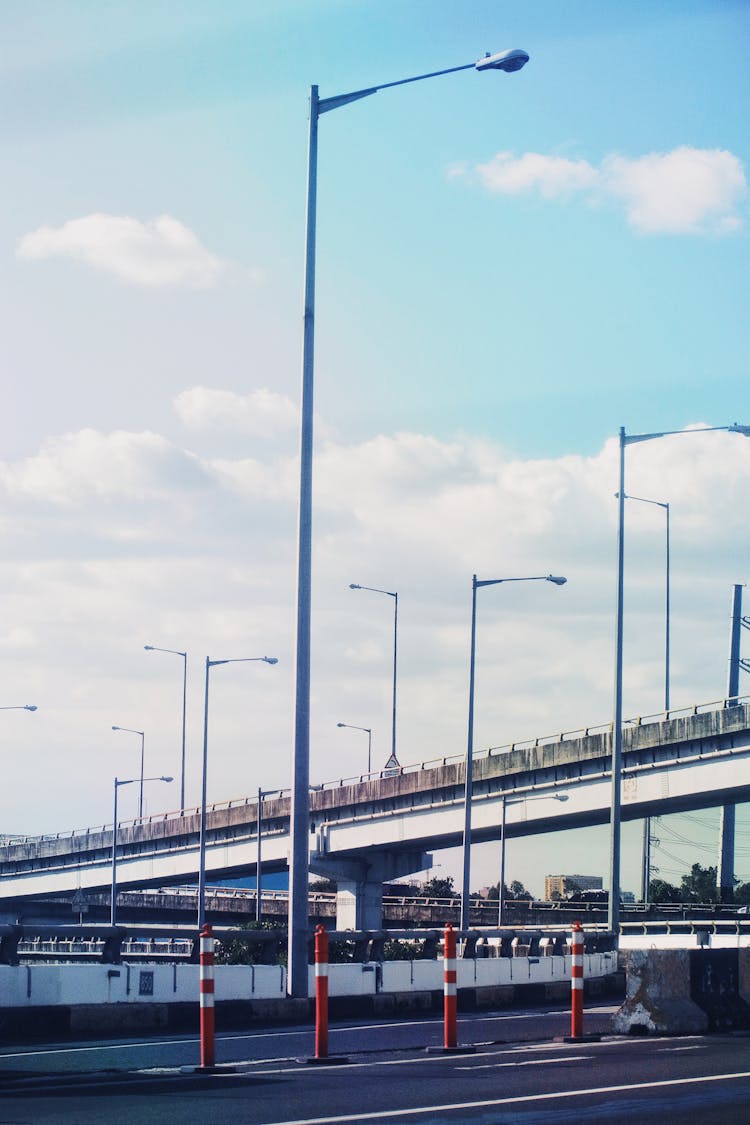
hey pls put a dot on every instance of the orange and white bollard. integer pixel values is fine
(321, 1002)
(450, 997)
(576, 982)
(207, 961)
(321, 993)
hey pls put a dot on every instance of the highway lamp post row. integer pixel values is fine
(184, 655)
(202, 845)
(516, 801)
(113, 893)
(300, 812)
(391, 594)
(646, 870)
(142, 736)
(368, 732)
(476, 583)
(613, 919)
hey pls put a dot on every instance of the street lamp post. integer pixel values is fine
(113, 893)
(184, 655)
(21, 707)
(300, 812)
(129, 730)
(613, 919)
(394, 595)
(368, 732)
(646, 869)
(468, 779)
(516, 801)
(202, 844)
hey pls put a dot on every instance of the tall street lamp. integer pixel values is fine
(184, 655)
(613, 918)
(475, 585)
(300, 812)
(21, 707)
(368, 732)
(143, 742)
(202, 846)
(516, 801)
(391, 594)
(646, 870)
(113, 893)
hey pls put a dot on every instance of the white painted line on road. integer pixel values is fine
(529, 1062)
(521, 1099)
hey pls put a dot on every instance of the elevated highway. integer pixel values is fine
(372, 829)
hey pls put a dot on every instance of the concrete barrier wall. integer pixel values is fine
(51, 985)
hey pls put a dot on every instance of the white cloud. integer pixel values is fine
(685, 191)
(162, 251)
(260, 413)
(550, 175)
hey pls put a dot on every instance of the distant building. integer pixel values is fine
(558, 886)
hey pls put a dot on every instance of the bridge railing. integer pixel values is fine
(379, 775)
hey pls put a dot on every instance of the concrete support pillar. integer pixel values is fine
(359, 905)
(725, 874)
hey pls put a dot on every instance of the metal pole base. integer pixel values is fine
(330, 1060)
(450, 1050)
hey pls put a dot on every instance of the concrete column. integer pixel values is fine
(359, 905)
(725, 874)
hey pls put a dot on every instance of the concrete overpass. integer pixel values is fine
(372, 829)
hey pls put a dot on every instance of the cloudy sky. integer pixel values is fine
(510, 268)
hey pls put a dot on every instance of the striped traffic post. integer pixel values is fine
(207, 961)
(450, 1034)
(321, 1002)
(576, 982)
(321, 993)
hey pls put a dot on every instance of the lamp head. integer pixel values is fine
(271, 659)
(340, 724)
(29, 707)
(504, 60)
(149, 648)
(735, 428)
(354, 586)
(172, 779)
(561, 797)
(115, 728)
(557, 579)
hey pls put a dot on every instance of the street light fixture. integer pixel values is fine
(613, 917)
(21, 707)
(202, 845)
(508, 61)
(113, 893)
(184, 655)
(391, 594)
(516, 801)
(556, 580)
(129, 730)
(368, 732)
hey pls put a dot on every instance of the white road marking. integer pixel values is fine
(522, 1099)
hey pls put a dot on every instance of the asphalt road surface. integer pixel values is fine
(517, 1074)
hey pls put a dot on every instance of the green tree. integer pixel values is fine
(438, 888)
(742, 893)
(699, 885)
(661, 891)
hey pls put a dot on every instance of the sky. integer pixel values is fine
(510, 268)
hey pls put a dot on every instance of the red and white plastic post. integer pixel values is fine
(450, 997)
(321, 993)
(321, 1001)
(576, 982)
(207, 961)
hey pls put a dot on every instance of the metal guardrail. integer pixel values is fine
(112, 944)
(416, 767)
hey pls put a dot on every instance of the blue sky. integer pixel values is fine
(510, 267)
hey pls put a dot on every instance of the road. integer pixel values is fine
(517, 1074)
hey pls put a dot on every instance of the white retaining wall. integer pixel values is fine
(46, 985)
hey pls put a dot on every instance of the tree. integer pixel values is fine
(699, 885)
(661, 891)
(742, 893)
(438, 888)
